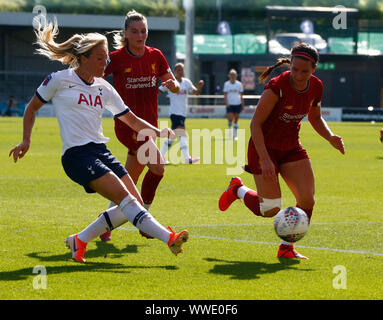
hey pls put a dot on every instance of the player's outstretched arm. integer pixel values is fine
(197, 91)
(169, 81)
(319, 124)
(28, 121)
(337, 143)
(141, 126)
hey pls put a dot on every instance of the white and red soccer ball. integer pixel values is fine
(291, 224)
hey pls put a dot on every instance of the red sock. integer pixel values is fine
(251, 201)
(149, 186)
(309, 212)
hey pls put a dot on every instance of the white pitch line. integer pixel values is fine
(258, 225)
(262, 224)
(270, 243)
(297, 246)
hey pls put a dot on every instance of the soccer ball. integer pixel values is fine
(291, 224)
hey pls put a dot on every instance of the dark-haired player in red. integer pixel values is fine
(136, 70)
(274, 147)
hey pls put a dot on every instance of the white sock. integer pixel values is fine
(229, 125)
(167, 144)
(111, 204)
(142, 219)
(147, 206)
(184, 148)
(109, 220)
(235, 129)
(242, 191)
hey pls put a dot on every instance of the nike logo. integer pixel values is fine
(91, 170)
(74, 245)
(227, 190)
(70, 87)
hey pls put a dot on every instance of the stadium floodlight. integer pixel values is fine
(189, 34)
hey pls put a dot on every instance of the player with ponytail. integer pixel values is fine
(136, 69)
(274, 147)
(79, 95)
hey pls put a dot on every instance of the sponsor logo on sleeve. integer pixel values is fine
(46, 80)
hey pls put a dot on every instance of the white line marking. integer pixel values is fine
(271, 243)
(257, 225)
(296, 246)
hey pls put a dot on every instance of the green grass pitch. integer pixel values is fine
(230, 255)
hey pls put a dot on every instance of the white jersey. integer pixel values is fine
(178, 101)
(233, 91)
(79, 106)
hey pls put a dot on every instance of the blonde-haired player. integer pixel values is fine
(80, 95)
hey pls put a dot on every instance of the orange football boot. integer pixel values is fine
(176, 240)
(77, 247)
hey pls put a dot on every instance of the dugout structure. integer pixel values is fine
(352, 69)
(278, 17)
(21, 71)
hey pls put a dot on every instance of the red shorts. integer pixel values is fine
(128, 137)
(278, 157)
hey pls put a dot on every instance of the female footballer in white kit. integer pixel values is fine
(80, 95)
(233, 95)
(178, 109)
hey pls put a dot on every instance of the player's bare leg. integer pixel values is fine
(153, 176)
(128, 209)
(299, 177)
(134, 169)
(264, 202)
(130, 185)
(133, 166)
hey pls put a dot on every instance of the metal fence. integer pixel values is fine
(21, 85)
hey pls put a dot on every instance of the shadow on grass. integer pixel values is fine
(23, 274)
(103, 249)
(247, 270)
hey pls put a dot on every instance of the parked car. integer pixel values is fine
(276, 48)
(288, 40)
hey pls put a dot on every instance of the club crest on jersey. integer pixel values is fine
(46, 80)
(90, 101)
(128, 70)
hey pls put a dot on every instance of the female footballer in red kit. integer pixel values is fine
(136, 69)
(274, 147)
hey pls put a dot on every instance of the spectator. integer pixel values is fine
(12, 109)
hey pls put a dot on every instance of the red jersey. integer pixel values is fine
(281, 129)
(136, 80)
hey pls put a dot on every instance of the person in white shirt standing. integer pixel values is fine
(79, 95)
(233, 95)
(178, 109)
